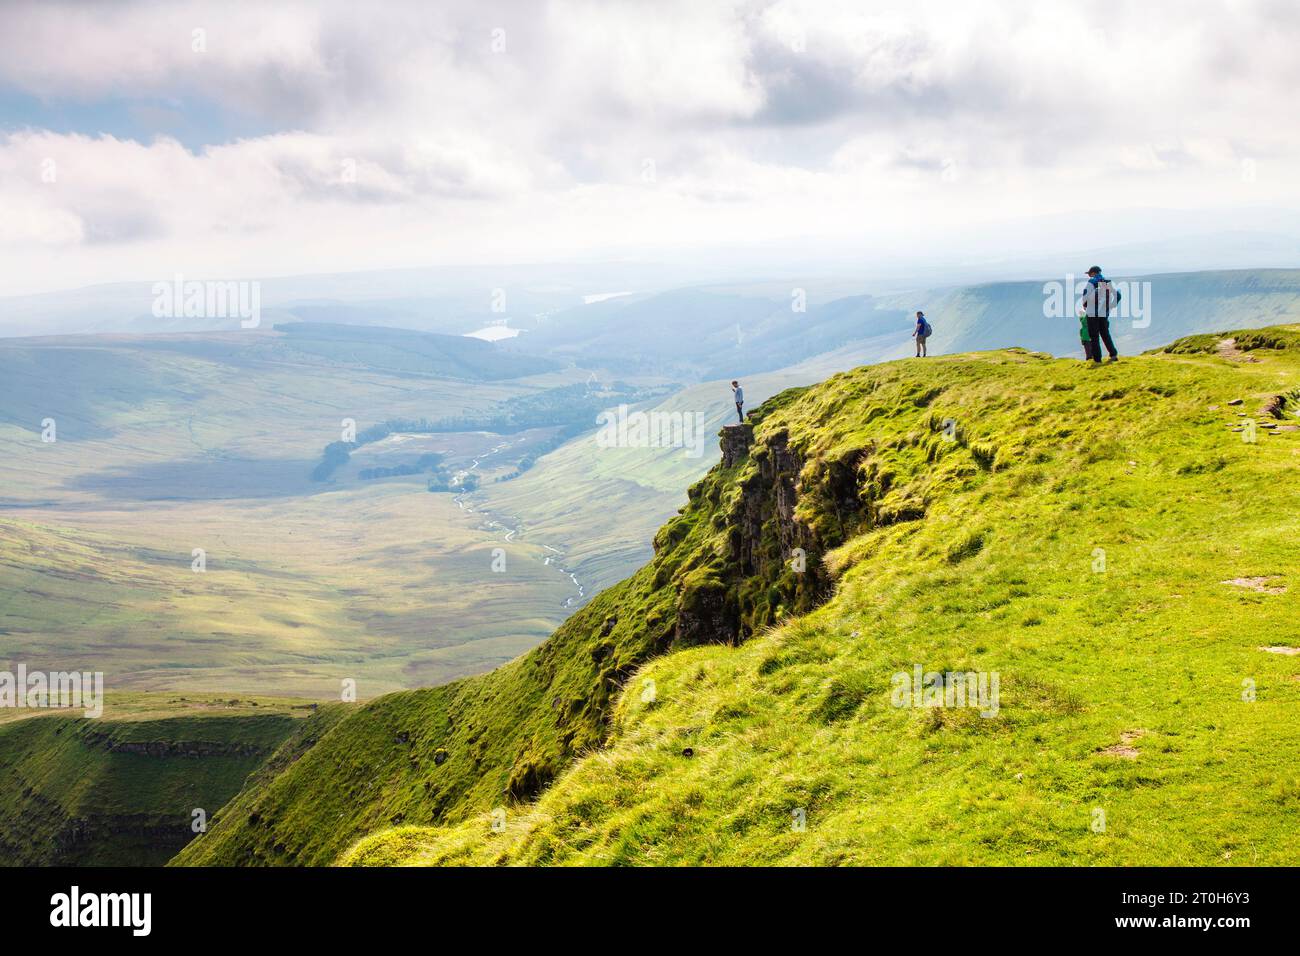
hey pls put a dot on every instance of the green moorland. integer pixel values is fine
(122, 789)
(388, 585)
(1109, 541)
(166, 444)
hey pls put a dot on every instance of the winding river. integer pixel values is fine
(510, 523)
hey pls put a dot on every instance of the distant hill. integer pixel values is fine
(89, 382)
(707, 334)
(1114, 544)
(696, 333)
(423, 353)
(721, 333)
(1005, 314)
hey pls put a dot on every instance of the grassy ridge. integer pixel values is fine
(974, 553)
(446, 752)
(122, 789)
(426, 755)
(1103, 538)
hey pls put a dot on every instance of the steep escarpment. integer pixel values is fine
(1111, 547)
(787, 507)
(745, 551)
(78, 792)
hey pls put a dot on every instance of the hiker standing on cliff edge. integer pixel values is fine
(738, 394)
(1099, 297)
(921, 333)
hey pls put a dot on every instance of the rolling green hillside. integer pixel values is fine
(1116, 543)
(122, 789)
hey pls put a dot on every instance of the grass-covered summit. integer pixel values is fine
(1109, 541)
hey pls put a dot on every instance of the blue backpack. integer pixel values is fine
(926, 329)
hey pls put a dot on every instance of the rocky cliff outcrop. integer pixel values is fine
(736, 440)
(771, 563)
(174, 748)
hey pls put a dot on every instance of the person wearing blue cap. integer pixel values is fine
(1099, 298)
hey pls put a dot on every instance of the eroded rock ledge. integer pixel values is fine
(771, 566)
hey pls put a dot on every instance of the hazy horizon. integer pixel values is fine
(719, 141)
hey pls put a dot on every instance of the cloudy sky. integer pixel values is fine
(224, 140)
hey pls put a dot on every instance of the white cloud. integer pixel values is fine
(400, 136)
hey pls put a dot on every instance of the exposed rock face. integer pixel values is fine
(173, 748)
(528, 779)
(770, 496)
(162, 838)
(773, 565)
(707, 613)
(1280, 405)
(736, 440)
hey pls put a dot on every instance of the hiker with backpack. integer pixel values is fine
(738, 394)
(922, 332)
(1099, 298)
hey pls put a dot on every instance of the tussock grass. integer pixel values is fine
(1062, 543)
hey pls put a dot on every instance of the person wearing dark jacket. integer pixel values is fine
(1099, 298)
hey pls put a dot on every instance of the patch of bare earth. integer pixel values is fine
(1260, 585)
(1227, 349)
(1125, 746)
(1279, 649)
